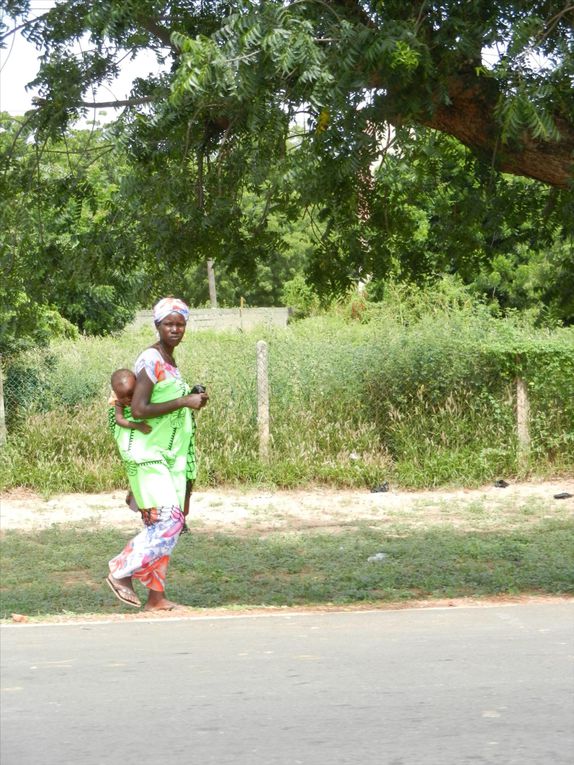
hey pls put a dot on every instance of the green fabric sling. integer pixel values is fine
(159, 464)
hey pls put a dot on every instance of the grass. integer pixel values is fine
(423, 403)
(60, 570)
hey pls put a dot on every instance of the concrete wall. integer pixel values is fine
(225, 318)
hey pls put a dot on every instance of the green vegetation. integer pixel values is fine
(237, 72)
(297, 145)
(304, 147)
(418, 389)
(61, 569)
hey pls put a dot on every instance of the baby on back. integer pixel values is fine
(123, 384)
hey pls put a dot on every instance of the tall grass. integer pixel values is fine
(420, 391)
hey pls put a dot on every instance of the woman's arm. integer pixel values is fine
(142, 409)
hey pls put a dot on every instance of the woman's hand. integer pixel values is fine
(196, 400)
(143, 409)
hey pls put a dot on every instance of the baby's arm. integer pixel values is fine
(143, 427)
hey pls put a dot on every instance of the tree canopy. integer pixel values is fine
(348, 64)
(65, 264)
(414, 138)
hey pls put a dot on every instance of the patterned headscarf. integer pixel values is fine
(169, 305)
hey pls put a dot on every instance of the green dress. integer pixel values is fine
(160, 464)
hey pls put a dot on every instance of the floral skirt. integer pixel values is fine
(146, 556)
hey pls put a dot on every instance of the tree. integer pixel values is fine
(65, 265)
(88, 237)
(538, 282)
(399, 61)
(219, 124)
(436, 210)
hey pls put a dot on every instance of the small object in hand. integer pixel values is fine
(563, 495)
(501, 484)
(198, 389)
(382, 487)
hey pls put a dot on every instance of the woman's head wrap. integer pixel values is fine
(169, 305)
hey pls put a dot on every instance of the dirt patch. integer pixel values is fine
(321, 509)
(185, 612)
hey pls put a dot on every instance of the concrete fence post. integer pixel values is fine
(263, 400)
(211, 283)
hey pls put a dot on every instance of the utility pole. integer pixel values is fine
(201, 204)
(211, 281)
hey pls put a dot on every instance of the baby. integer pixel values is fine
(123, 383)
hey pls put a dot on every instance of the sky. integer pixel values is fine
(19, 64)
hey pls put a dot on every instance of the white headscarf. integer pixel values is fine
(169, 305)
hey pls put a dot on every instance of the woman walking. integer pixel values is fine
(161, 464)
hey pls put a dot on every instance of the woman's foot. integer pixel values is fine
(158, 602)
(123, 590)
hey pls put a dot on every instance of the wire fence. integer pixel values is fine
(335, 393)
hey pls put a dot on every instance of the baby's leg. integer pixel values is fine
(131, 503)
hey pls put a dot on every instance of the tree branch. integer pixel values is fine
(24, 24)
(162, 34)
(354, 9)
(102, 104)
(27, 22)
(470, 118)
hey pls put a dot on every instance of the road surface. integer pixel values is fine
(409, 687)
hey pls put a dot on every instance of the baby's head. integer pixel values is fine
(123, 384)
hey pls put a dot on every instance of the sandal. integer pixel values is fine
(123, 593)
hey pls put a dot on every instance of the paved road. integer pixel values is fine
(417, 687)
